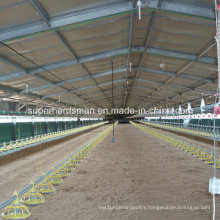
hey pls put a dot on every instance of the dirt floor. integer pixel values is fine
(18, 169)
(137, 178)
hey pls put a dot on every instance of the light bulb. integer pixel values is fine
(162, 66)
(139, 8)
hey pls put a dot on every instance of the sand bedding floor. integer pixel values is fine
(130, 180)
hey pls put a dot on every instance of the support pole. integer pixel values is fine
(14, 136)
(217, 38)
(56, 126)
(33, 128)
(46, 126)
(113, 130)
(217, 7)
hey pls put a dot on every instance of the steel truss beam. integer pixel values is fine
(147, 39)
(104, 55)
(185, 67)
(105, 11)
(122, 80)
(84, 88)
(45, 18)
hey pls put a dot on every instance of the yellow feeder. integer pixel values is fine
(203, 156)
(218, 162)
(74, 160)
(73, 163)
(14, 146)
(17, 144)
(26, 141)
(33, 197)
(16, 210)
(218, 165)
(45, 187)
(21, 143)
(78, 158)
(68, 167)
(55, 179)
(83, 153)
(4, 148)
(11, 144)
(197, 153)
(34, 139)
(210, 159)
(62, 173)
(190, 149)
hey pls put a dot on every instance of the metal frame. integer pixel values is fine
(83, 88)
(130, 39)
(108, 54)
(117, 71)
(56, 24)
(104, 11)
(179, 73)
(122, 80)
(43, 14)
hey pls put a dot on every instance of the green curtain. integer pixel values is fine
(23, 129)
(40, 128)
(60, 126)
(51, 127)
(6, 130)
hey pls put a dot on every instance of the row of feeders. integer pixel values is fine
(196, 151)
(201, 131)
(19, 207)
(37, 139)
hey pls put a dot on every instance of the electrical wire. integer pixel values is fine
(38, 68)
(214, 136)
(217, 94)
(214, 153)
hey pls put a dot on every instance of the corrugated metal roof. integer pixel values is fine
(65, 48)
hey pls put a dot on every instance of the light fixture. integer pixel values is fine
(139, 8)
(26, 88)
(130, 64)
(189, 108)
(162, 66)
(202, 104)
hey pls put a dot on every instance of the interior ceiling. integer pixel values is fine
(62, 52)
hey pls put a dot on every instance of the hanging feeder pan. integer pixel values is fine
(16, 210)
